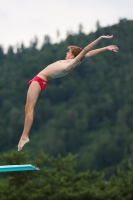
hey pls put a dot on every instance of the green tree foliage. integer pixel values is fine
(89, 112)
(57, 180)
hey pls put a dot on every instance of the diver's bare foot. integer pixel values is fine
(22, 142)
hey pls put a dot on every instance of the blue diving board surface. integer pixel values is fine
(16, 168)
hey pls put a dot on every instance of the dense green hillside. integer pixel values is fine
(89, 112)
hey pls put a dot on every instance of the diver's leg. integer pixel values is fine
(32, 96)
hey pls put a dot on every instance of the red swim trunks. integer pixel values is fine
(41, 82)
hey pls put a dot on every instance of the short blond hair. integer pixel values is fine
(75, 50)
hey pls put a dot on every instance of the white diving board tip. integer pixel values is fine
(16, 168)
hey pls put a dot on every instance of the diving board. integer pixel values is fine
(16, 168)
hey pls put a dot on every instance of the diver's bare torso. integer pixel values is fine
(57, 69)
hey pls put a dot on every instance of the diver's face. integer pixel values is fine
(69, 55)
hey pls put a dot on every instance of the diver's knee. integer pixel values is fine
(28, 107)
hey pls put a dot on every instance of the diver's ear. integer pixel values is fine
(72, 56)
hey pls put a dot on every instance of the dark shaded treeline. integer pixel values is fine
(88, 112)
(57, 180)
